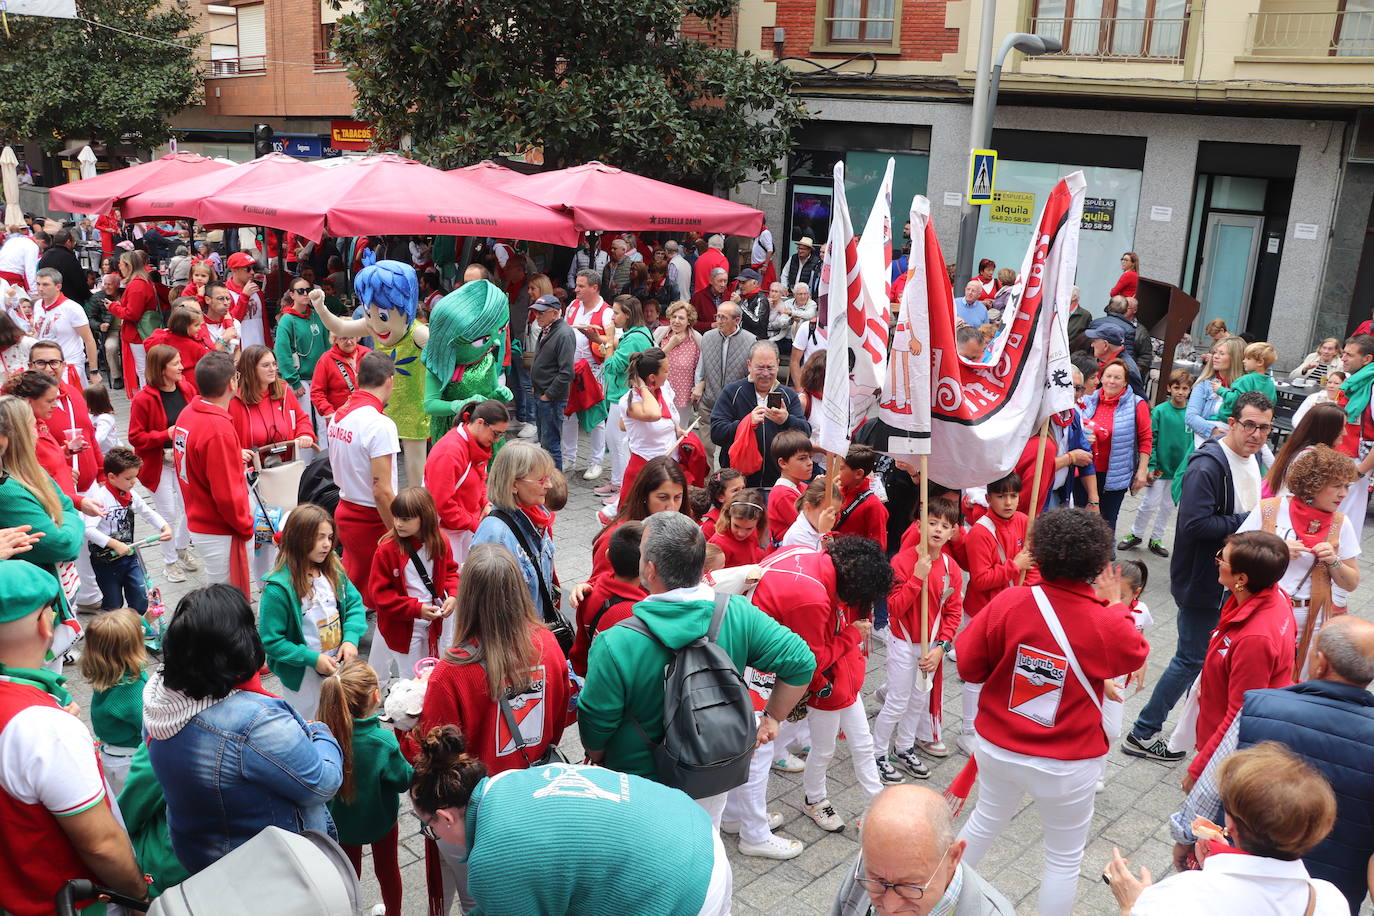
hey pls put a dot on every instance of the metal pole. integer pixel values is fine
(980, 126)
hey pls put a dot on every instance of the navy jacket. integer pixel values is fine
(1332, 726)
(1207, 514)
(733, 404)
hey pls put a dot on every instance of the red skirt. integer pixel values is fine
(360, 528)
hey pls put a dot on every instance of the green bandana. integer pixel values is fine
(1357, 391)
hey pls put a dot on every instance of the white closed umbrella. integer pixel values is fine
(87, 160)
(9, 178)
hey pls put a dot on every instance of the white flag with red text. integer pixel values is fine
(973, 418)
(855, 312)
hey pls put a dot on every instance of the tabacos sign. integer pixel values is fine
(351, 135)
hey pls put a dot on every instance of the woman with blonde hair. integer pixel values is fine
(47, 531)
(138, 298)
(681, 343)
(1225, 364)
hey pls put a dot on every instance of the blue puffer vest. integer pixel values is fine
(1121, 462)
(1332, 726)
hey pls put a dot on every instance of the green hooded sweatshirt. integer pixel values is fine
(279, 624)
(625, 671)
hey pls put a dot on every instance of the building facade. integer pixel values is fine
(1220, 141)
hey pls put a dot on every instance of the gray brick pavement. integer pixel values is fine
(1130, 814)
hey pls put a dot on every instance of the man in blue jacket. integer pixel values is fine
(1221, 484)
(770, 405)
(1329, 721)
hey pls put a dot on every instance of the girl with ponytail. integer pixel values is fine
(367, 806)
(651, 428)
(456, 471)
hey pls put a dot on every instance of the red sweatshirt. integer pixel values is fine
(737, 552)
(782, 508)
(797, 590)
(209, 464)
(191, 349)
(708, 522)
(456, 475)
(271, 420)
(989, 573)
(458, 695)
(945, 606)
(1252, 648)
(148, 431)
(137, 298)
(867, 519)
(605, 589)
(396, 609)
(601, 561)
(331, 385)
(69, 412)
(55, 460)
(1031, 702)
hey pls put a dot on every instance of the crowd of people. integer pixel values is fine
(425, 648)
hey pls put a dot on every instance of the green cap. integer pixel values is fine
(25, 588)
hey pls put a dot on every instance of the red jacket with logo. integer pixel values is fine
(209, 465)
(1252, 648)
(988, 572)
(1031, 702)
(148, 430)
(782, 508)
(456, 475)
(396, 610)
(797, 590)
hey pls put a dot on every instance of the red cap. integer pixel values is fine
(240, 259)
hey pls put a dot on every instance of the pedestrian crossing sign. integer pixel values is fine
(982, 176)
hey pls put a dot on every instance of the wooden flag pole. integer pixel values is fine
(832, 470)
(924, 554)
(1035, 487)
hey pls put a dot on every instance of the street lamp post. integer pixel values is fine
(980, 130)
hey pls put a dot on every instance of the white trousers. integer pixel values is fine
(825, 728)
(1064, 802)
(89, 593)
(569, 443)
(140, 354)
(619, 441)
(214, 550)
(261, 561)
(115, 762)
(721, 889)
(305, 700)
(321, 423)
(906, 707)
(460, 542)
(1158, 503)
(791, 736)
(971, 692)
(389, 663)
(1113, 715)
(167, 501)
(748, 804)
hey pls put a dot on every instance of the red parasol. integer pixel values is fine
(99, 194)
(493, 175)
(391, 195)
(602, 197)
(184, 199)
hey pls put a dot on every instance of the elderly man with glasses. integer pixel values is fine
(911, 863)
(762, 401)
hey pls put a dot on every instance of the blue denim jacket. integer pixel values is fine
(1202, 404)
(493, 530)
(247, 762)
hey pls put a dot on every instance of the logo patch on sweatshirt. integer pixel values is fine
(1037, 684)
(527, 708)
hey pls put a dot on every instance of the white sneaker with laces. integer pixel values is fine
(173, 572)
(775, 847)
(823, 813)
(187, 559)
(788, 764)
(593, 472)
(528, 431)
(774, 822)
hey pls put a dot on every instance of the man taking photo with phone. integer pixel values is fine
(768, 405)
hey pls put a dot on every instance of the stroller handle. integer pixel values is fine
(81, 889)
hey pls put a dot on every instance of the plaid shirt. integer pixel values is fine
(1205, 798)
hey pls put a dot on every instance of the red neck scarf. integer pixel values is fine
(358, 399)
(120, 496)
(1311, 525)
(254, 685)
(541, 517)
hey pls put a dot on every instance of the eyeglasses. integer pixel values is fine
(1080, 388)
(1251, 427)
(47, 363)
(910, 892)
(1221, 561)
(427, 828)
(542, 481)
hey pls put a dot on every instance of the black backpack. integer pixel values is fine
(709, 730)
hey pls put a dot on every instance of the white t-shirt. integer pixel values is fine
(802, 534)
(217, 332)
(763, 247)
(578, 314)
(58, 323)
(806, 342)
(362, 434)
(1298, 569)
(415, 586)
(47, 757)
(1245, 477)
(645, 439)
(321, 624)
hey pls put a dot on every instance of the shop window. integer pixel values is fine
(867, 25)
(1115, 29)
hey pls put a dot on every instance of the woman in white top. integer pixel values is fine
(1330, 393)
(1320, 362)
(1323, 546)
(651, 428)
(1278, 807)
(14, 344)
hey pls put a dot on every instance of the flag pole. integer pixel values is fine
(1035, 486)
(925, 586)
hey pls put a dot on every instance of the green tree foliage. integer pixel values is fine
(584, 79)
(62, 78)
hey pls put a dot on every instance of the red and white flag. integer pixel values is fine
(855, 312)
(973, 419)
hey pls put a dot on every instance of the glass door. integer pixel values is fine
(1230, 249)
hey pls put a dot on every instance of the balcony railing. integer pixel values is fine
(1116, 39)
(1328, 33)
(234, 66)
(327, 60)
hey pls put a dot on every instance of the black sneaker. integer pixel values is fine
(1158, 549)
(1128, 542)
(912, 764)
(1157, 749)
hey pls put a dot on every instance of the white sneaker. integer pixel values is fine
(775, 847)
(965, 743)
(379, 910)
(823, 813)
(606, 514)
(593, 472)
(528, 431)
(1100, 787)
(788, 764)
(173, 572)
(933, 748)
(774, 822)
(188, 559)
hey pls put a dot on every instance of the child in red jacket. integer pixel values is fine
(995, 547)
(791, 450)
(456, 471)
(613, 597)
(915, 691)
(414, 587)
(721, 486)
(861, 511)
